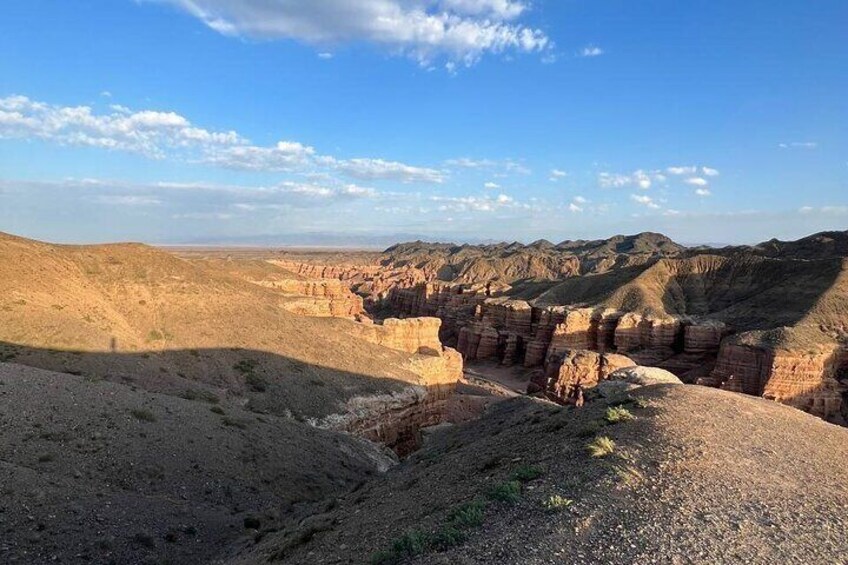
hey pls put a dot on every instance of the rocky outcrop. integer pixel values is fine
(319, 298)
(413, 335)
(396, 419)
(566, 370)
(805, 379)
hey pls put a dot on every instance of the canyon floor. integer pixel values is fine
(199, 405)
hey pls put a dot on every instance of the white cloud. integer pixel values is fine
(325, 55)
(799, 145)
(710, 172)
(379, 169)
(129, 200)
(703, 192)
(682, 170)
(573, 207)
(557, 174)
(491, 185)
(147, 132)
(827, 210)
(468, 163)
(457, 30)
(477, 203)
(106, 94)
(580, 200)
(160, 135)
(591, 51)
(642, 179)
(645, 201)
(697, 181)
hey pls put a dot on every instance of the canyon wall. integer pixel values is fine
(395, 420)
(695, 349)
(319, 298)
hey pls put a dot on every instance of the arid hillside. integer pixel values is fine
(248, 332)
(668, 473)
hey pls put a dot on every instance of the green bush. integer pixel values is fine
(468, 515)
(509, 492)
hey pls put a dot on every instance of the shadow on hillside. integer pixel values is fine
(258, 381)
(753, 294)
(590, 289)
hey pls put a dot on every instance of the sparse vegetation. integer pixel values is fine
(217, 410)
(469, 515)
(601, 447)
(527, 473)
(556, 503)
(46, 458)
(144, 415)
(508, 492)
(616, 414)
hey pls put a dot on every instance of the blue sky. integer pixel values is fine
(221, 121)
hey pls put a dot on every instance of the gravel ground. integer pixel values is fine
(698, 476)
(96, 472)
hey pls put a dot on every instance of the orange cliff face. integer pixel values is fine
(396, 420)
(805, 379)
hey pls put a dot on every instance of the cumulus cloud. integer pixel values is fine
(703, 192)
(641, 178)
(682, 170)
(697, 181)
(491, 185)
(147, 132)
(645, 201)
(477, 203)
(710, 172)
(591, 51)
(460, 31)
(557, 174)
(160, 135)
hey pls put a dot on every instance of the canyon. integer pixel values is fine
(769, 320)
(238, 406)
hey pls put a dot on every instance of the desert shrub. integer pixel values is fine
(245, 366)
(255, 382)
(556, 503)
(217, 410)
(46, 458)
(240, 424)
(601, 447)
(527, 473)
(468, 515)
(155, 335)
(144, 415)
(509, 492)
(410, 544)
(617, 414)
(589, 429)
(446, 537)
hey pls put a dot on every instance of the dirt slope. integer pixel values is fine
(135, 314)
(97, 472)
(699, 476)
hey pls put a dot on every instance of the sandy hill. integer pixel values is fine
(743, 481)
(134, 314)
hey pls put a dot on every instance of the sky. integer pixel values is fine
(364, 122)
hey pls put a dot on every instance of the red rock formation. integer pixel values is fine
(413, 335)
(566, 369)
(320, 298)
(804, 379)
